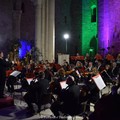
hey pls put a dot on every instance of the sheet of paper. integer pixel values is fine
(99, 81)
(63, 84)
(15, 73)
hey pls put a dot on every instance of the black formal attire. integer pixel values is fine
(3, 66)
(36, 92)
(106, 75)
(114, 72)
(100, 68)
(43, 95)
(10, 83)
(69, 101)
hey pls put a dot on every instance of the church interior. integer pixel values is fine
(59, 59)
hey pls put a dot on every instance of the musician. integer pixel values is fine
(90, 66)
(29, 71)
(79, 66)
(66, 66)
(100, 67)
(48, 72)
(87, 73)
(106, 74)
(32, 65)
(3, 66)
(109, 58)
(11, 80)
(94, 91)
(87, 57)
(23, 71)
(98, 57)
(118, 60)
(114, 70)
(37, 89)
(60, 76)
(69, 99)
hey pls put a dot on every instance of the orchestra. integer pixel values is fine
(81, 71)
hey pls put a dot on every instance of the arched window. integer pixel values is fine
(93, 13)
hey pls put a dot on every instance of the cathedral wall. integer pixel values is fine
(109, 25)
(89, 26)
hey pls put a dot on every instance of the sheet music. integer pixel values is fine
(63, 84)
(99, 81)
(15, 73)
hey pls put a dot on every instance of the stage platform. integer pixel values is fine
(6, 102)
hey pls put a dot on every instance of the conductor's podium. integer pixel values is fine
(6, 102)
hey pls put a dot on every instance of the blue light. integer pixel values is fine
(25, 47)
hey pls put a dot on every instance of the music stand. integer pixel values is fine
(63, 84)
(99, 83)
(15, 73)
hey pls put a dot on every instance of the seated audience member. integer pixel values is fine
(37, 89)
(107, 108)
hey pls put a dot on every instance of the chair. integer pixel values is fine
(20, 91)
(83, 113)
(23, 87)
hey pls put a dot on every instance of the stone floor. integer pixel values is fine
(19, 111)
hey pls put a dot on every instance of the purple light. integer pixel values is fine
(103, 25)
(106, 23)
(109, 24)
(25, 47)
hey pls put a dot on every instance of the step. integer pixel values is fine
(6, 102)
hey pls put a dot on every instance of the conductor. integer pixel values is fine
(3, 66)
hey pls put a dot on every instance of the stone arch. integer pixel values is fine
(93, 45)
(93, 13)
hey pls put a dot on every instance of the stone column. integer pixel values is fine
(38, 26)
(16, 20)
(45, 28)
(51, 30)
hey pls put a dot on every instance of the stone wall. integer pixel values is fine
(28, 20)
(17, 21)
(89, 28)
(109, 25)
(5, 23)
